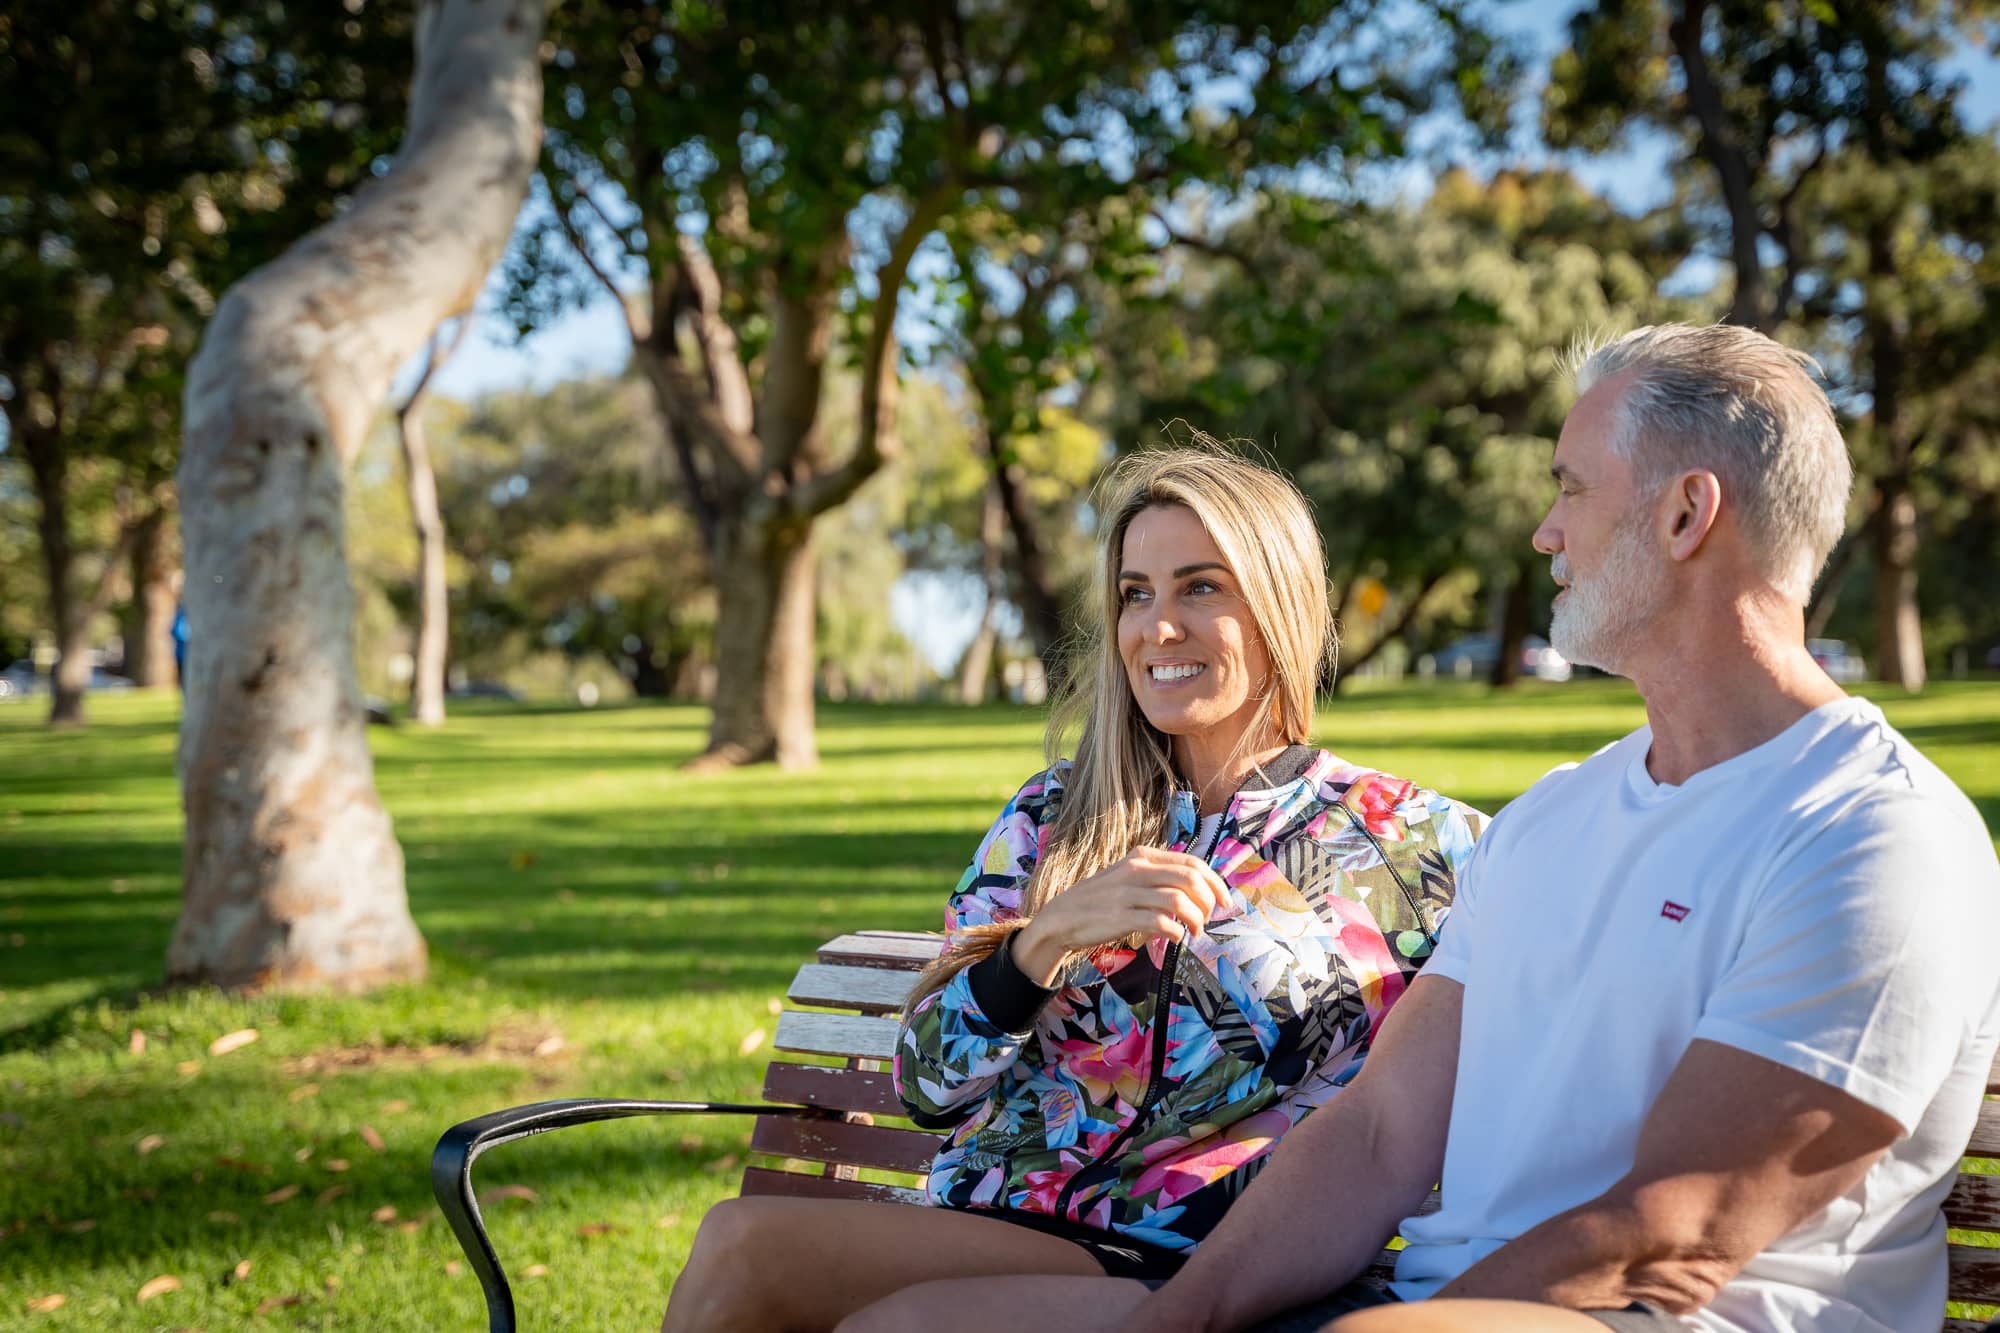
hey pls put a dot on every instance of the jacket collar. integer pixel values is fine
(1272, 798)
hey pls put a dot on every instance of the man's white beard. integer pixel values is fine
(1597, 617)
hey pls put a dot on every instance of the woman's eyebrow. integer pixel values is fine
(1186, 570)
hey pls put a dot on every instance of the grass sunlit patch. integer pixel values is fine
(599, 923)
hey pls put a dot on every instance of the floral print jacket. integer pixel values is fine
(1153, 1084)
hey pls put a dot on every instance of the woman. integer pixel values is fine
(1164, 954)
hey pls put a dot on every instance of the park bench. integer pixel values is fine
(818, 1130)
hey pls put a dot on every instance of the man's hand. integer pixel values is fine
(1736, 1151)
(1337, 1186)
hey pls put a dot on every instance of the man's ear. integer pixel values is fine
(1694, 502)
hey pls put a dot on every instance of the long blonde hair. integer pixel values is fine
(1116, 795)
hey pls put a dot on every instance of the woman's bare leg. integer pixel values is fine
(772, 1264)
(1003, 1305)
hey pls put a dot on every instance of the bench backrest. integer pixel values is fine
(852, 994)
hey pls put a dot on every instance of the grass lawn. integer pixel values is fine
(599, 923)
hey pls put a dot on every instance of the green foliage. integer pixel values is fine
(1404, 364)
(574, 885)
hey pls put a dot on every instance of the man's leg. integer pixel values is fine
(1501, 1317)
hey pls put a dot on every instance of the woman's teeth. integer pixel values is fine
(1176, 672)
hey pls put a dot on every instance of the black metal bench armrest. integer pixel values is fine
(461, 1145)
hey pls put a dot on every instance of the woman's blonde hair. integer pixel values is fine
(1115, 796)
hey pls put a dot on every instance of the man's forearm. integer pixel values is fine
(1320, 1212)
(1601, 1255)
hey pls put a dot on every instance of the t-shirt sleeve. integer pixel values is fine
(1850, 970)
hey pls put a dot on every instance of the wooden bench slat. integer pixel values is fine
(1974, 1203)
(850, 1145)
(872, 990)
(797, 1184)
(850, 1035)
(906, 950)
(1975, 1275)
(833, 1087)
(1986, 1134)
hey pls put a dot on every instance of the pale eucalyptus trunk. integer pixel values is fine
(292, 874)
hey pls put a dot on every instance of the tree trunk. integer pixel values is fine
(1395, 631)
(1725, 152)
(764, 646)
(975, 668)
(1514, 625)
(149, 631)
(292, 873)
(433, 596)
(72, 671)
(1899, 638)
(1041, 602)
(1899, 643)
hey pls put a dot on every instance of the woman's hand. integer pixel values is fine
(1150, 892)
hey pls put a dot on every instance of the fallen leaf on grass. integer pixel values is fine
(386, 1213)
(725, 1162)
(150, 1142)
(396, 1107)
(411, 1227)
(510, 1192)
(774, 1005)
(548, 1046)
(187, 1067)
(232, 1041)
(335, 1164)
(332, 1283)
(270, 1303)
(327, 1196)
(55, 1300)
(242, 1269)
(595, 1229)
(535, 1270)
(282, 1193)
(243, 1164)
(751, 1041)
(159, 1286)
(452, 1268)
(371, 1138)
(77, 1228)
(303, 1155)
(136, 1043)
(231, 1218)
(303, 1091)
(670, 1221)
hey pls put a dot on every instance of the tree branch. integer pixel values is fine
(875, 438)
(1726, 154)
(721, 358)
(637, 323)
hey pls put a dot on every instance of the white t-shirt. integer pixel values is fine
(1827, 900)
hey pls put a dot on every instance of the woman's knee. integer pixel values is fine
(728, 1270)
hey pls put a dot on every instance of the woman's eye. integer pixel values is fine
(1131, 595)
(1202, 587)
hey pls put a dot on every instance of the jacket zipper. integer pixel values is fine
(1156, 1082)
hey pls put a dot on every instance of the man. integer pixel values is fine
(1710, 1022)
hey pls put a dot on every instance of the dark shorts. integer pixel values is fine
(1362, 1293)
(1117, 1255)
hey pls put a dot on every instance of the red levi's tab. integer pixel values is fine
(1673, 911)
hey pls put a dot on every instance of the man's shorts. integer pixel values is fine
(1360, 1294)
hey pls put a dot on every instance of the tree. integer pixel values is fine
(433, 609)
(1829, 142)
(1404, 364)
(755, 190)
(151, 154)
(292, 873)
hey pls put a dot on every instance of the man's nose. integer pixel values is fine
(1548, 537)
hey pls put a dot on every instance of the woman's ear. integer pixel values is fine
(1696, 503)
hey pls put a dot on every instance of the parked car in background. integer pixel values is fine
(1837, 660)
(1474, 655)
(21, 679)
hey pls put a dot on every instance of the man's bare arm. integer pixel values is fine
(1337, 1186)
(1736, 1151)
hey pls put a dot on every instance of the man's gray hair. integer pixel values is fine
(1733, 402)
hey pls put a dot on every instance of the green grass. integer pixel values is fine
(599, 923)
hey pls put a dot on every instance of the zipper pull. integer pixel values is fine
(1182, 821)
